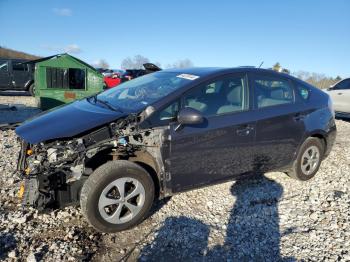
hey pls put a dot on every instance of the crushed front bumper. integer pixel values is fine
(30, 192)
(21, 162)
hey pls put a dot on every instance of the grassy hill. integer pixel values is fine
(9, 53)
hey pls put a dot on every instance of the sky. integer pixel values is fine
(309, 35)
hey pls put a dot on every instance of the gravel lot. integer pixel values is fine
(16, 107)
(269, 217)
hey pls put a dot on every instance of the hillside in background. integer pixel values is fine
(9, 53)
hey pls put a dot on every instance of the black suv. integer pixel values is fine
(15, 74)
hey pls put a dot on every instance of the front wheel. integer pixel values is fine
(117, 196)
(308, 160)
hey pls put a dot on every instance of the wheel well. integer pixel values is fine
(153, 175)
(104, 156)
(323, 139)
(29, 83)
(99, 159)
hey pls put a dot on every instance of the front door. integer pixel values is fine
(21, 74)
(280, 127)
(221, 147)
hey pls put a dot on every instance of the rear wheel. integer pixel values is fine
(309, 159)
(117, 196)
(32, 89)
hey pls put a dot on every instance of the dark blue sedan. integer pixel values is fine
(171, 131)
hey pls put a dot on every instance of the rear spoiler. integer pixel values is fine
(151, 67)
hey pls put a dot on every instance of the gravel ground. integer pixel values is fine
(18, 98)
(270, 217)
(16, 108)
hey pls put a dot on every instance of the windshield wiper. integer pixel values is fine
(108, 105)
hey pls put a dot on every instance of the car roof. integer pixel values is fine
(208, 71)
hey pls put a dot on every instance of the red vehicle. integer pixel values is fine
(112, 78)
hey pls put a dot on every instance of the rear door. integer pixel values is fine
(280, 121)
(5, 76)
(220, 148)
(340, 95)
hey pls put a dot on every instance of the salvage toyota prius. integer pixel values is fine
(117, 152)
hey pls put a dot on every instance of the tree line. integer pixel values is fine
(316, 79)
(137, 62)
(9, 53)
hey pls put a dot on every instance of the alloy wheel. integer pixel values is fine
(121, 200)
(310, 160)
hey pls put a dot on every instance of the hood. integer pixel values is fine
(66, 121)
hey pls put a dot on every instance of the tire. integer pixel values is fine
(308, 160)
(118, 211)
(31, 89)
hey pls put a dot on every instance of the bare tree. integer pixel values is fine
(182, 63)
(134, 63)
(101, 63)
(319, 80)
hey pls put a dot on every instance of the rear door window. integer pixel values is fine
(272, 91)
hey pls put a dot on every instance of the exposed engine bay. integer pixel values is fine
(54, 171)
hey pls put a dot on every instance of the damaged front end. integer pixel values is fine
(50, 171)
(55, 171)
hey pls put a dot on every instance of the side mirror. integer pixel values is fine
(189, 116)
(330, 88)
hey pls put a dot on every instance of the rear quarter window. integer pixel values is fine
(303, 91)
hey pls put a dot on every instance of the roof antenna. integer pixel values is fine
(261, 64)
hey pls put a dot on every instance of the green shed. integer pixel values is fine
(63, 78)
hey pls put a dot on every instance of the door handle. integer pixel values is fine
(244, 130)
(299, 117)
(339, 93)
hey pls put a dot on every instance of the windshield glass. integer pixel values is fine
(138, 93)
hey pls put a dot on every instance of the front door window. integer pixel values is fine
(223, 96)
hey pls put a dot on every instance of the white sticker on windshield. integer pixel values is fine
(188, 76)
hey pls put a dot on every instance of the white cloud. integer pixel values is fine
(63, 11)
(72, 48)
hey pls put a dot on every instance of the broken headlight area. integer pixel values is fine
(49, 171)
(54, 172)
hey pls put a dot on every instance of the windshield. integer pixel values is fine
(138, 93)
